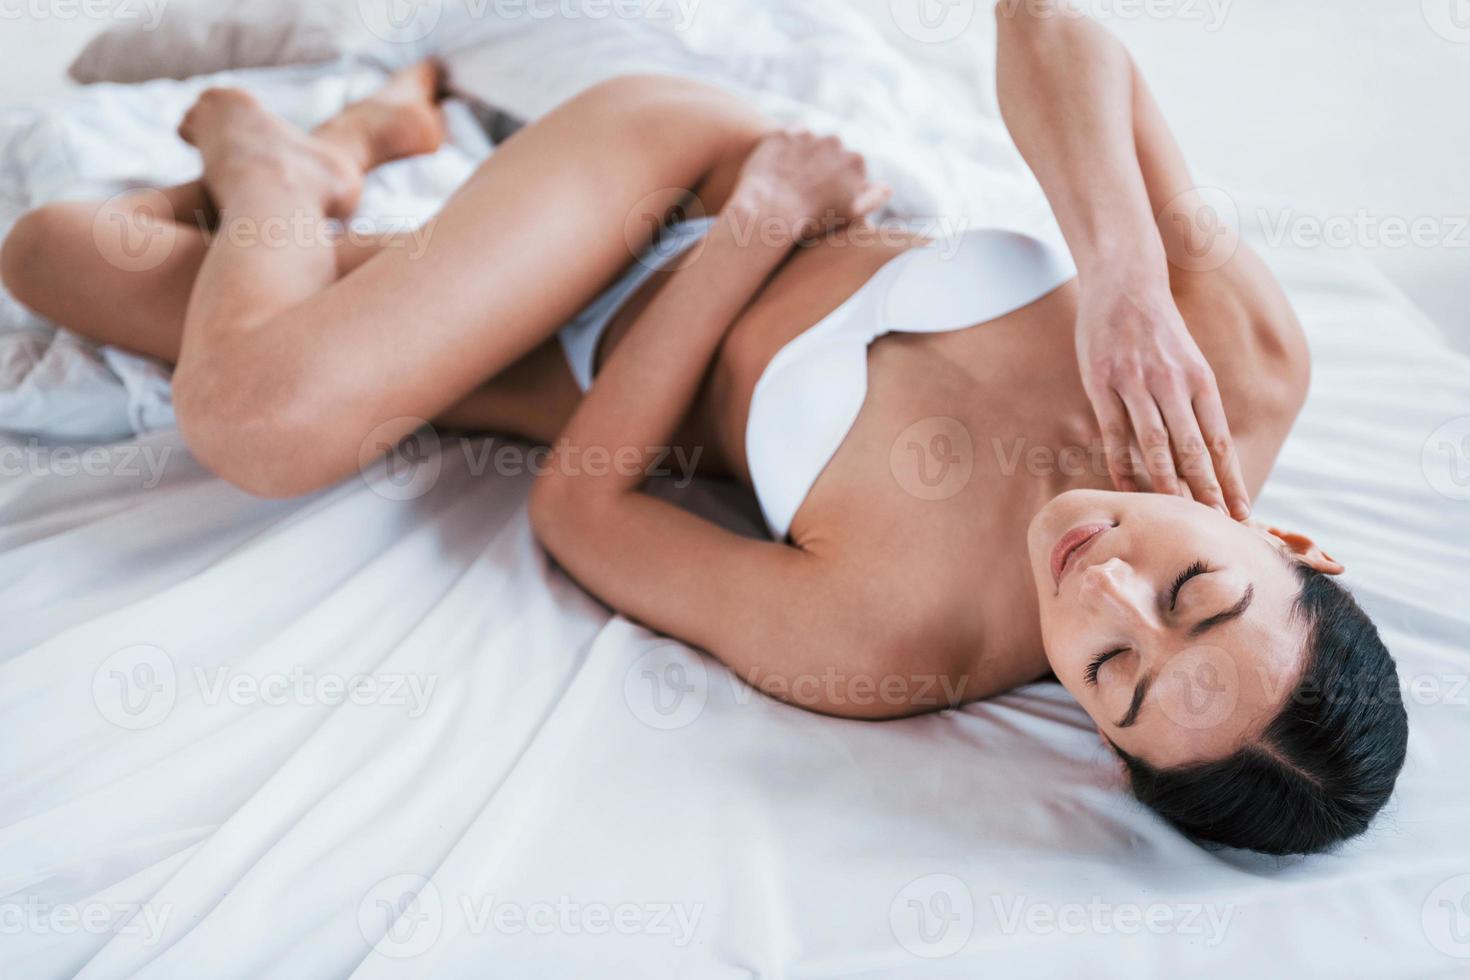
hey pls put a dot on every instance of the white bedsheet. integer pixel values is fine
(816, 64)
(111, 138)
(183, 792)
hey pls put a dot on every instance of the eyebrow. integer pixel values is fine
(1234, 612)
(1198, 629)
(1138, 693)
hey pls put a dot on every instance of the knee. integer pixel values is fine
(253, 434)
(29, 256)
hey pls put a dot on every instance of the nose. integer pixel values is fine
(1113, 587)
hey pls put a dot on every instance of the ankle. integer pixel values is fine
(343, 135)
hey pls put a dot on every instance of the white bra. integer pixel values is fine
(811, 392)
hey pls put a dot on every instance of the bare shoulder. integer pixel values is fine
(1248, 331)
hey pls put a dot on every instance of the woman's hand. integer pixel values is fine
(1150, 386)
(810, 184)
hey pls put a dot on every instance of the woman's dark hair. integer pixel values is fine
(1322, 768)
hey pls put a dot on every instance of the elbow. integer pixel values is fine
(1283, 343)
(1298, 368)
(555, 506)
(546, 505)
(258, 438)
(874, 680)
(1298, 351)
(568, 509)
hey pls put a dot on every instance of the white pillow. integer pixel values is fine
(200, 37)
(206, 36)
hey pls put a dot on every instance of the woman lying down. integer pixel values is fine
(880, 394)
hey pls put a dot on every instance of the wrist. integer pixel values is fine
(747, 237)
(1136, 269)
(1119, 294)
(1115, 238)
(764, 216)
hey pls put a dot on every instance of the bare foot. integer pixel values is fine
(243, 145)
(401, 119)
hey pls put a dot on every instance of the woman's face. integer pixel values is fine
(1169, 622)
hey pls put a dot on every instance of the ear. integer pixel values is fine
(1305, 550)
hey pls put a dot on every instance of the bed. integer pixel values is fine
(374, 732)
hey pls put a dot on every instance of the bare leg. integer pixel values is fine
(121, 272)
(283, 373)
(594, 157)
(61, 260)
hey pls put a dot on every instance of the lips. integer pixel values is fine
(1072, 544)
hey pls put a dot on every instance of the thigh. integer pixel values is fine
(116, 272)
(547, 222)
(535, 397)
(532, 399)
(121, 271)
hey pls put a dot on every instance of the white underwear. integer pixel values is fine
(580, 338)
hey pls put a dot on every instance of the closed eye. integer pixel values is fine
(1198, 568)
(1090, 674)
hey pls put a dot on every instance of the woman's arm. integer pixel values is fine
(770, 611)
(1069, 93)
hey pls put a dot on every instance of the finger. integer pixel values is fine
(1191, 456)
(1135, 466)
(1153, 439)
(1112, 421)
(871, 198)
(1216, 432)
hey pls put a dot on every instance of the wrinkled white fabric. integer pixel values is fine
(110, 138)
(522, 785)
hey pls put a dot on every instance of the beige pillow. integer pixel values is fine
(205, 36)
